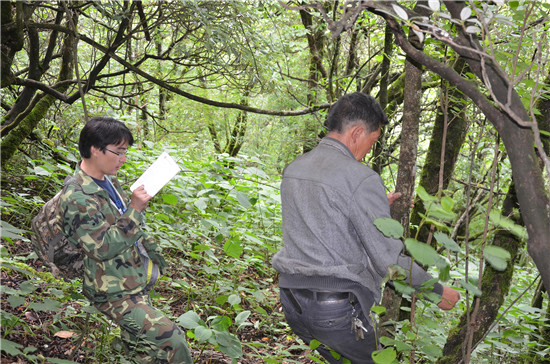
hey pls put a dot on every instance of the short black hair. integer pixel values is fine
(355, 108)
(100, 132)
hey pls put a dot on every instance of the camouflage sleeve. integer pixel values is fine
(102, 234)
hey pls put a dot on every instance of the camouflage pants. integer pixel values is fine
(148, 334)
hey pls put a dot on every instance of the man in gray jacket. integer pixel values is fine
(334, 258)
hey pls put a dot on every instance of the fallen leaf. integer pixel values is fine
(65, 334)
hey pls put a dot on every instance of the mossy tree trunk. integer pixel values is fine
(39, 106)
(316, 45)
(447, 137)
(407, 166)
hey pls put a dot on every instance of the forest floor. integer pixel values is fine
(33, 329)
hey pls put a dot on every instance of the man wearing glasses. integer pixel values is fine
(121, 261)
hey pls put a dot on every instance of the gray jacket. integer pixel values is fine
(329, 201)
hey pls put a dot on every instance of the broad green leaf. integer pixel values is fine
(389, 227)
(434, 5)
(400, 12)
(220, 323)
(437, 211)
(47, 305)
(200, 204)
(189, 320)
(243, 200)
(314, 344)
(465, 13)
(447, 203)
(432, 350)
(497, 257)
(399, 345)
(403, 288)
(497, 219)
(233, 248)
(386, 356)
(170, 199)
(472, 29)
(425, 196)
(27, 287)
(202, 333)
(229, 344)
(59, 361)
(10, 347)
(41, 171)
(396, 272)
(471, 288)
(446, 241)
(379, 310)
(241, 318)
(16, 300)
(422, 253)
(10, 231)
(234, 299)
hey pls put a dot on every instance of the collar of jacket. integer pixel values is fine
(88, 185)
(336, 144)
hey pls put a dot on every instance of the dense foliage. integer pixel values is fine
(235, 90)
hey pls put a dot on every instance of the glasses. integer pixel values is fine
(118, 154)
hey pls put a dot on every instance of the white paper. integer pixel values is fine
(158, 174)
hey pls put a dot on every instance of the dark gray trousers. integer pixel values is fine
(330, 323)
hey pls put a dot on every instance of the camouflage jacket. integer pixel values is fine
(113, 268)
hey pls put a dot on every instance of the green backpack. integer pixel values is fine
(63, 258)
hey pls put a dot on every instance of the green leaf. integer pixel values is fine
(389, 227)
(203, 333)
(241, 318)
(233, 248)
(422, 253)
(16, 300)
(446, 241)
(234, 299)
(470, 288)
(432, 350)
(10, 231)
(425, 196)
(10, 347)
(447, 203)
(243, 200)
(221, 323)
(497, 219)
(170, 199)
(59, 361)
(388, 355)
(47, 305)
(497, 257)
(229, 344)
(314, 344)
(379, 310)
(437, 211)
(403, 288)
(189, 320)
(200, 204)
(396, 272)
(399, 345)
(400, 12)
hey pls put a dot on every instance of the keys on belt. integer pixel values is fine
(357, 327)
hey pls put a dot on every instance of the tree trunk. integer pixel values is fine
(378, 159)
(316, 46)
(451, 136)
(518, 139)
(11, 142)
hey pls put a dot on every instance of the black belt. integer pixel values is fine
(323, 296)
